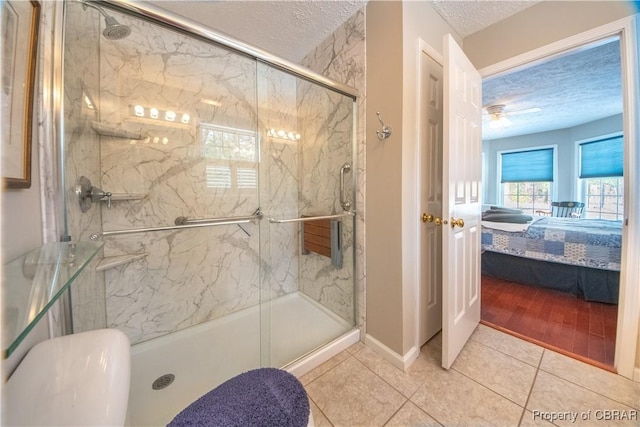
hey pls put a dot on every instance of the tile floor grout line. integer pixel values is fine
(591, 390)
(533, 383)
(321, 411)
(408, 399)
(484, 386)
(327, 371)
(394, 414)
(507, 354)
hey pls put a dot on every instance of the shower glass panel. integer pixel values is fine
(184, 133)
(307, 284)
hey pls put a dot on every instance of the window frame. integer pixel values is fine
(580, 186)
(499, 183)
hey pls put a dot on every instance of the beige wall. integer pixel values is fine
(21, 218)
(384, 174)
(539, 25)
(394, 29)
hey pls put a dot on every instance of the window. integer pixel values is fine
(527, 178)
(601, 174)
(232, 157)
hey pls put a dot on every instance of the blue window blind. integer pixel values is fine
(528, 166)
(602, 158)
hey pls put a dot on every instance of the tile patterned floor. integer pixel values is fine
(498, 380)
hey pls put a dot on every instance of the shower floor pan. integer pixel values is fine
(204, 356)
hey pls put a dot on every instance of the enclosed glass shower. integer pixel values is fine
(222, 186)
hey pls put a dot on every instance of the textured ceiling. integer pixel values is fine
(289, 29)
(468, 17)
(571, 90)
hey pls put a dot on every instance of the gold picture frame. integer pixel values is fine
(20, 28)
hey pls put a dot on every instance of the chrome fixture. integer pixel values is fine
(386, 130)
(183, 222)
(113, 30)
(255, 216)
(87, 194)
(310, 218)
(343, 201)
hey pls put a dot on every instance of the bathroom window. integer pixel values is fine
(232, 157)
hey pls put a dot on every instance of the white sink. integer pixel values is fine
(74, 380)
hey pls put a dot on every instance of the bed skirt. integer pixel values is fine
(584, 282)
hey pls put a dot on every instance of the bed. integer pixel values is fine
(580, 256)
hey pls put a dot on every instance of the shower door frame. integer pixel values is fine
(161, 17)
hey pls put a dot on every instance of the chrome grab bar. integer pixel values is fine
(311, 218)
(256, 216)
(188, 223)
(343, 201)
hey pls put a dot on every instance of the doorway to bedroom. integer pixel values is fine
(554, 201)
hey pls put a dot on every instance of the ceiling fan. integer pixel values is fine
(497, 115)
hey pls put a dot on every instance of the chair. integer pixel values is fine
(567, 209)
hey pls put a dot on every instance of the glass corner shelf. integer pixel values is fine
(32, 283)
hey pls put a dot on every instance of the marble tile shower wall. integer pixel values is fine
(82, 154)
(279, 180)
(192, 275)
(340, 57)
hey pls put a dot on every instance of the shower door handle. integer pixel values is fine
(343, 201)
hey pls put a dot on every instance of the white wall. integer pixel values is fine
(565, 140)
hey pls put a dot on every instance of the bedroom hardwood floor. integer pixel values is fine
(552, 319)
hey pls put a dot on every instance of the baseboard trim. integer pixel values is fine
(318, 357)
(400, 362)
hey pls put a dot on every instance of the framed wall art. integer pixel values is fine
(20, 27)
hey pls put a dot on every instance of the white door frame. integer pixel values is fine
(629, 300)
(423, 49)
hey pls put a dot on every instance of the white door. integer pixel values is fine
(461, 200)
(431, 123)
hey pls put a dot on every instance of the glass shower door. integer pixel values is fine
(307, 196)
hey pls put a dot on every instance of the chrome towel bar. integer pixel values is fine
(183, 222)
(311, 218)
(255, 216)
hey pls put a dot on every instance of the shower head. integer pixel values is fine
(113, 30)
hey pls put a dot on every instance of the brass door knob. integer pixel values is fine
(458, 222)
(430, 218)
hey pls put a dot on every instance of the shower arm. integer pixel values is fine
(86, 4)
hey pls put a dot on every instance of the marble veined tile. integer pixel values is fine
(352, 395)
(508, 344)
(411, 415)
(454, 399)
(608, 384)
(566, 404)
(503, 374)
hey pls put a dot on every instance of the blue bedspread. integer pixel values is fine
(594, 243)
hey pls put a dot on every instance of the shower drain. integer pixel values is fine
(163, 382)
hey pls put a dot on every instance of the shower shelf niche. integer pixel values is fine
(110, 262)
(33, 282)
